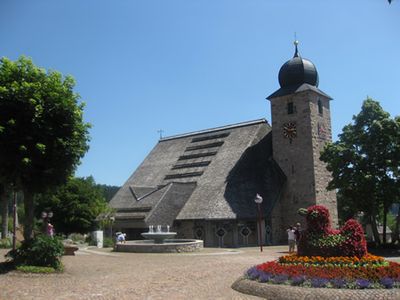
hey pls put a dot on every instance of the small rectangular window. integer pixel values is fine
(320, 107)
(290, 108)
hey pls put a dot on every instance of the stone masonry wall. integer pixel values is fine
(321, 134)
(298, 157)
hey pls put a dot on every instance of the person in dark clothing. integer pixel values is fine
(297, 234)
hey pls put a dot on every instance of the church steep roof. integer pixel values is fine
(208, 174)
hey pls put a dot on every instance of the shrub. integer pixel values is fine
(5, 243)
(91, 241)
(108, 242)
(35, 269)
(43, 250)
(77, 238)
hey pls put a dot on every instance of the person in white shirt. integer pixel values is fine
(121, 238)
(291, 239)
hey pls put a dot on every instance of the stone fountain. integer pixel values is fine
(159, 241)
(158, 236)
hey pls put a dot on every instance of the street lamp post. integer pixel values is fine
(112, 220)
(259, 200)
(14, 244)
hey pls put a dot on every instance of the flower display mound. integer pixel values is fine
(369, 271)
(319, 239)
(329, 258)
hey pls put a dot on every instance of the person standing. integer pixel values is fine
(50, 229)
(291, 239)
(297, 234)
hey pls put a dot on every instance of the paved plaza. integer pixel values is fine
(102, 274)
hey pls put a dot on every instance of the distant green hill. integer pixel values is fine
(108, 190)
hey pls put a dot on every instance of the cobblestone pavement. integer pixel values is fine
(102, 274)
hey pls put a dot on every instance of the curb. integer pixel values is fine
(286, 292)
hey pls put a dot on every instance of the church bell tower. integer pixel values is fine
(301, 125)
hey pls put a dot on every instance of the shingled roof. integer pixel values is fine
(209, 174)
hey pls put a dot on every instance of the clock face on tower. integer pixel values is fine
(289, 130)
(322, 133)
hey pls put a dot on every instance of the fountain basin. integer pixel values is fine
(169, 246)
(158, 237)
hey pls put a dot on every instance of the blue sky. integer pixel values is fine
(188, 65)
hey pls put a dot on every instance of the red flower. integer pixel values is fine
(331, 272)
(319, 239)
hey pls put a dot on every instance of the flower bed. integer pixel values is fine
(370, 271)
(329, 258)
(340, 261)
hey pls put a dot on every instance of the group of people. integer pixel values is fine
(294, 233)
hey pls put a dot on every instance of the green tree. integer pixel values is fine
(75, 205)
(108, 190)
(42, 133)
(345, 209)
(365, 163)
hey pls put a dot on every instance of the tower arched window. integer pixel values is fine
(320, 108)
(290, 108)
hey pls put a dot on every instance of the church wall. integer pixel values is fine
(278, 231)
(322, 133)
(184, 229)
(207, 230)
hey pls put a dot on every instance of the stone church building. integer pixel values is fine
(203, 184)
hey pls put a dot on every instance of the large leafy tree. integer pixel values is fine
(42, 132)
(365, 163)
(75, 205)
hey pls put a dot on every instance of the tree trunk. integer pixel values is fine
(4, 212)
(375, 230)
(385, 212)
(29, 214)
(395, 233)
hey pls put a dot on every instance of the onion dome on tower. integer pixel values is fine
(298, 70)
(296, 75)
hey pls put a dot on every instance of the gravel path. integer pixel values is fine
(102, 274)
